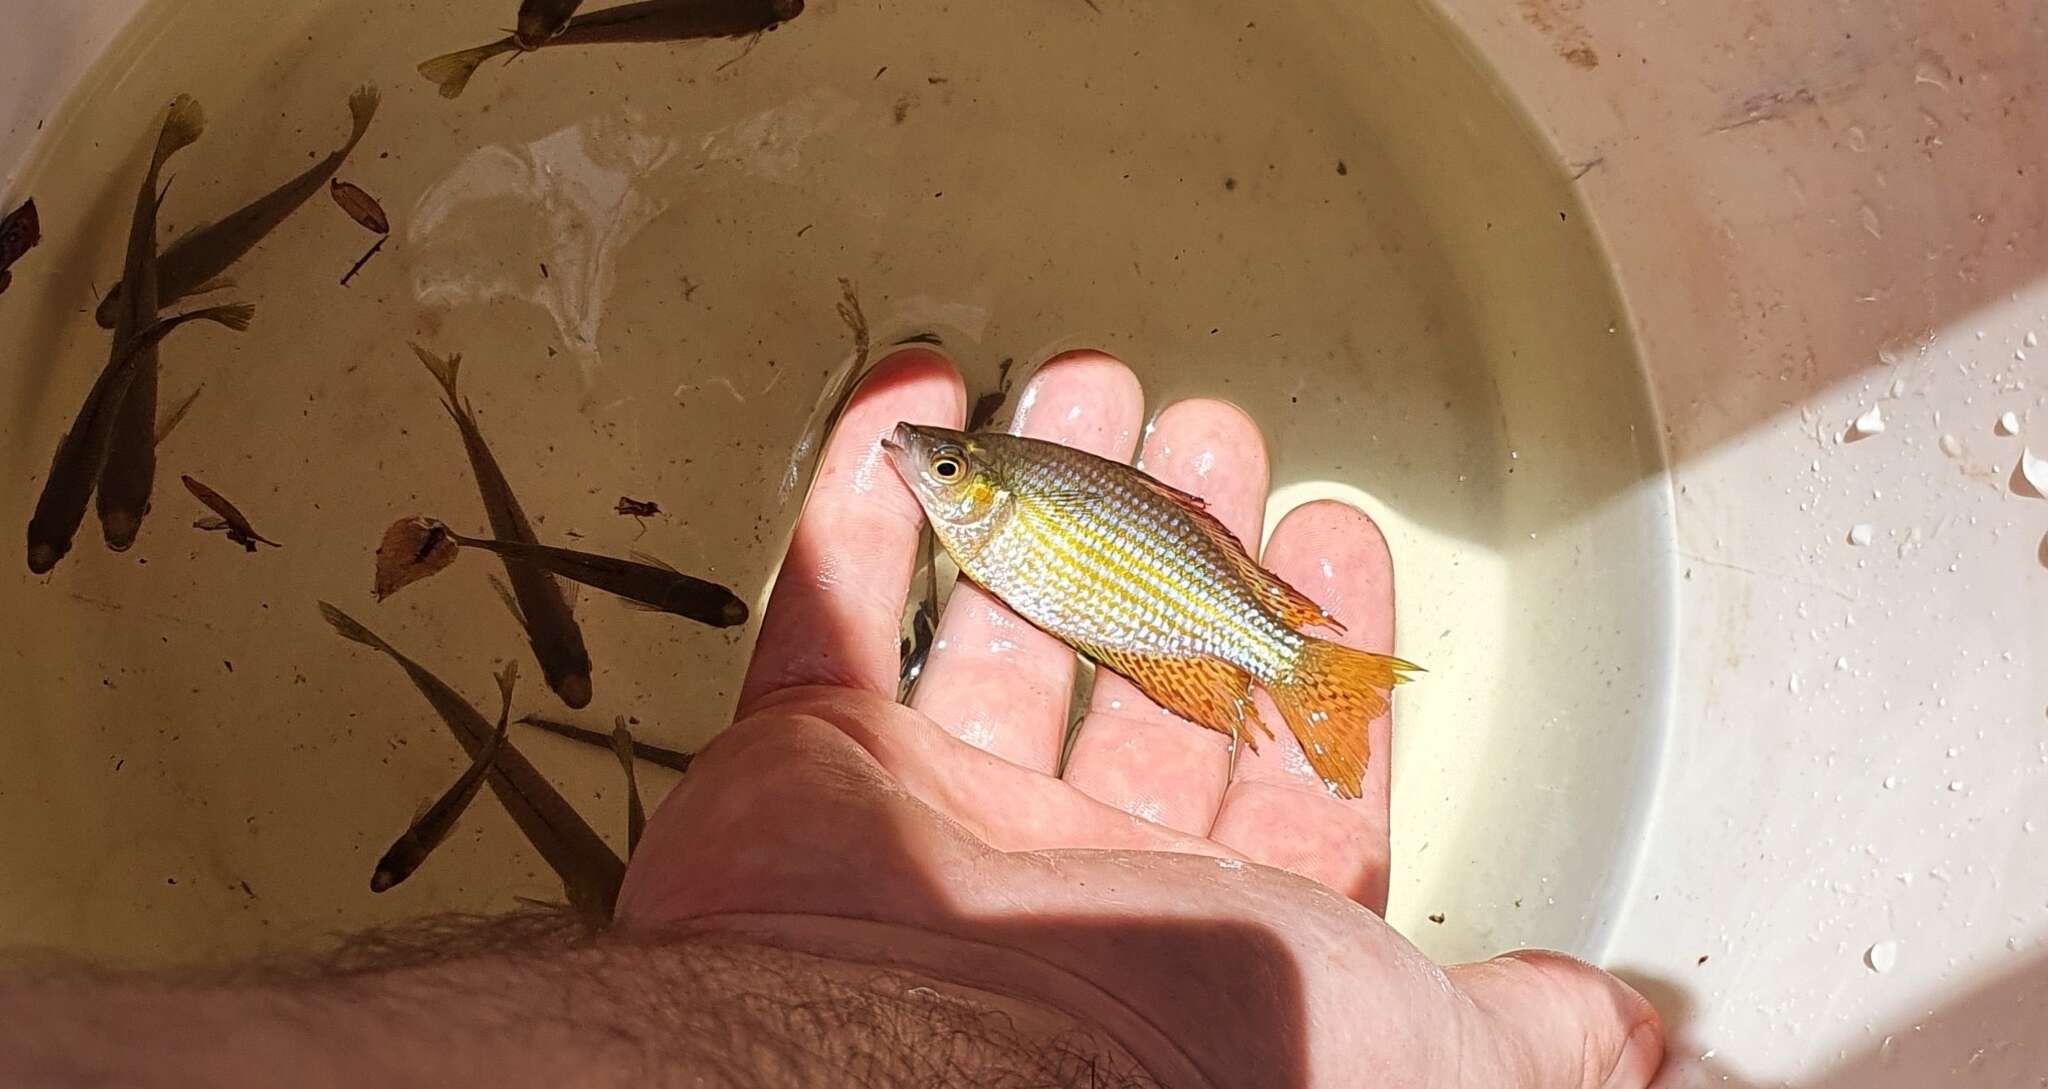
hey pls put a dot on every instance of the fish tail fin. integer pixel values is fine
(446, 370)
(236, 316)
(362, 106)
(181, 126)
(1329, 698)
(351, 629)
(507, 677)
(451, 71)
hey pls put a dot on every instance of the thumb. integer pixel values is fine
(1552, 1022)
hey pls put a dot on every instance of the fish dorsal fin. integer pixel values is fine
(652, 560)
(1290, 605)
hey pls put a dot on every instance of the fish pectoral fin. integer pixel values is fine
(511, 601)
(1206, 691)
(1329, 700)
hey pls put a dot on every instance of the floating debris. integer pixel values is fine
(412, 549)
(360, 206)
(229, 520)
(364, 209)
(636, 508)
(170, 420)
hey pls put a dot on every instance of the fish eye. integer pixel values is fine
(947, 468)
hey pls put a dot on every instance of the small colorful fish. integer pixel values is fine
(1141, 578)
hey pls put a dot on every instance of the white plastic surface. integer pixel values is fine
(1814, 209)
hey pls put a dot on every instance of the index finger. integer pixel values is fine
(833, 618)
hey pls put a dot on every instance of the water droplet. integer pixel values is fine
(1882, 956)
(2008, 423)
(1951, 446)
(1870, 423)
(1891, 781)
(1860, 534)
(1870, 223)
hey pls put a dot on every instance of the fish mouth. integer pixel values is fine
(899, 440)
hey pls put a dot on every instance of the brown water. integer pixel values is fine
(1327, 214)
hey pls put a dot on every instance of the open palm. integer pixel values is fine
(1184, 904)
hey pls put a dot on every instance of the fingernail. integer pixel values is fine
(1641, 1055)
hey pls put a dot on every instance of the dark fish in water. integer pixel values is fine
(19, 233)
(1140, 578)
(988, 404)
(653, 754)
(229, 519)
(83, 449)
(170, 420)
(590, 871)
(636, 816)
(645, 21)
(432, 826)
(540, 21)
(544, 610)
(206, 252)
(360, 206)
(126, 475)
(646, 582)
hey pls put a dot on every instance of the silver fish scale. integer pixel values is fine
(1124, 567)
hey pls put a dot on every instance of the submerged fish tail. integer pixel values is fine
(445, 371)
(362, 108)
(351, 629)
(182, 126)
(451, 71)
(1329, 697)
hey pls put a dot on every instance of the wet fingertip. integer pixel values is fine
(906, 369)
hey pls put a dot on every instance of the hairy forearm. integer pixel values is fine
(702, 1009)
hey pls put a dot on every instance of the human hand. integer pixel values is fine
(1186, 908)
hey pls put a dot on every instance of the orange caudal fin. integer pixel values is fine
(1329, 698)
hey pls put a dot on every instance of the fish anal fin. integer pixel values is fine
(1329, 699)
(1206, 691)
(1292, 607)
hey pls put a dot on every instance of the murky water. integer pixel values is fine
(1327, 214)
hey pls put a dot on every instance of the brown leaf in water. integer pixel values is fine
(360, 206)
(413, 548)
